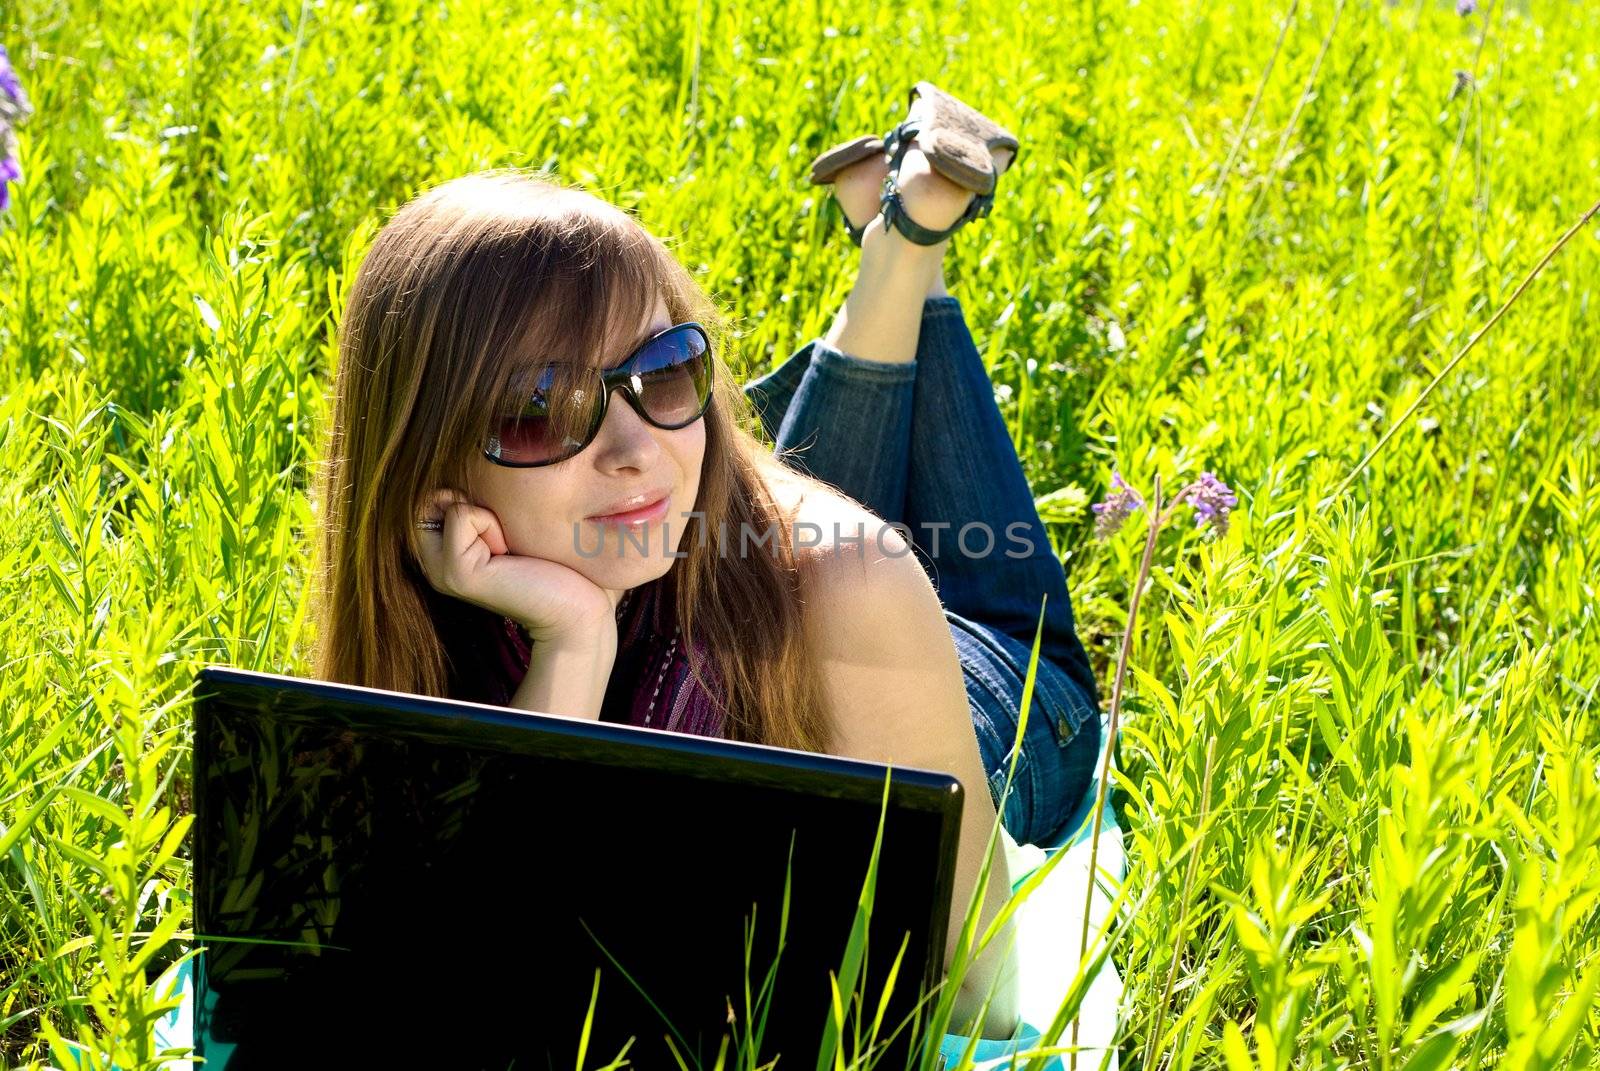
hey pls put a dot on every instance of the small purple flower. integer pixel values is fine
(13, 101)
(10, 171)
(14, 107)
(9, 83)
(1121, 502)
(1211, 499)
(1466, 7)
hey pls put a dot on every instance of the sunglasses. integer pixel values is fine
(667, 381)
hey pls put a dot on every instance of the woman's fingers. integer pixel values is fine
(465, 524)
(469, 536)
(468, 558)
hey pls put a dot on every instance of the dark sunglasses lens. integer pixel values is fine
(675, 377)
(674, 386)
(542, 432)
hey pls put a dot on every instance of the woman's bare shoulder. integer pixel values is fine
(877, 628)
(830, 529)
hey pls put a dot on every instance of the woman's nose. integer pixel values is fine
(625, 440)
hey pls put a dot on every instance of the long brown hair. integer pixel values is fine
(507, 262)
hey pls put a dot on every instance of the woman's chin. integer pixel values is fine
(628, 572)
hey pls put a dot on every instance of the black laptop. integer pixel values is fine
(384, 879)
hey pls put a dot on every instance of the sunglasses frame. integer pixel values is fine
(624, 377)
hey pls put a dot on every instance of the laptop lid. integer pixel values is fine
(382, 875)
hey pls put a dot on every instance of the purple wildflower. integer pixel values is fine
(10, 85)
(14, 103)
(1466, 7)
(1211, 499)
(14, 107)
(10, 167)
(1121, 502)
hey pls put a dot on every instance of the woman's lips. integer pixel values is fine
(646, 514)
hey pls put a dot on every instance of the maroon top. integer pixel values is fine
(650, 685)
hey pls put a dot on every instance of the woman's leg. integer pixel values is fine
(969, 503)
(840, 408)
(842, 420)
(847, 423)
(970, 507)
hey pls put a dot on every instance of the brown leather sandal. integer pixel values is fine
(958, 140)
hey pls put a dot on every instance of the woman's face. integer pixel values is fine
(555, 512)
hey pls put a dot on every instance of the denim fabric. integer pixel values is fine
(923, 444)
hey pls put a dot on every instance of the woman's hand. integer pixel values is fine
(469, 560)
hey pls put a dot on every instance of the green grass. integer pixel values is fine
(1359, 733)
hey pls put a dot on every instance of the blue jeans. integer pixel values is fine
(924, 445)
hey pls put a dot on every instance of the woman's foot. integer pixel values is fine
(857, 188)
(880, 317)
(930, 199)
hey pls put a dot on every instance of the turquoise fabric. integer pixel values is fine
(996, 1052)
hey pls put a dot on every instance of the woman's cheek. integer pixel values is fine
(539, 537)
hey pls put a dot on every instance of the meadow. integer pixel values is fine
(1359, 753)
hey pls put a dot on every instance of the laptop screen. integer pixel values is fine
(379, 875)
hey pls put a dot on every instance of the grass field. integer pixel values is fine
(1359, 734)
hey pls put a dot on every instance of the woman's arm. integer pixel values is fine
(569, 678)
(893, 680)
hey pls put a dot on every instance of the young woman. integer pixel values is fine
(503, 524)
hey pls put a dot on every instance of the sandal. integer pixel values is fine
(827, 166)
(957, 139)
